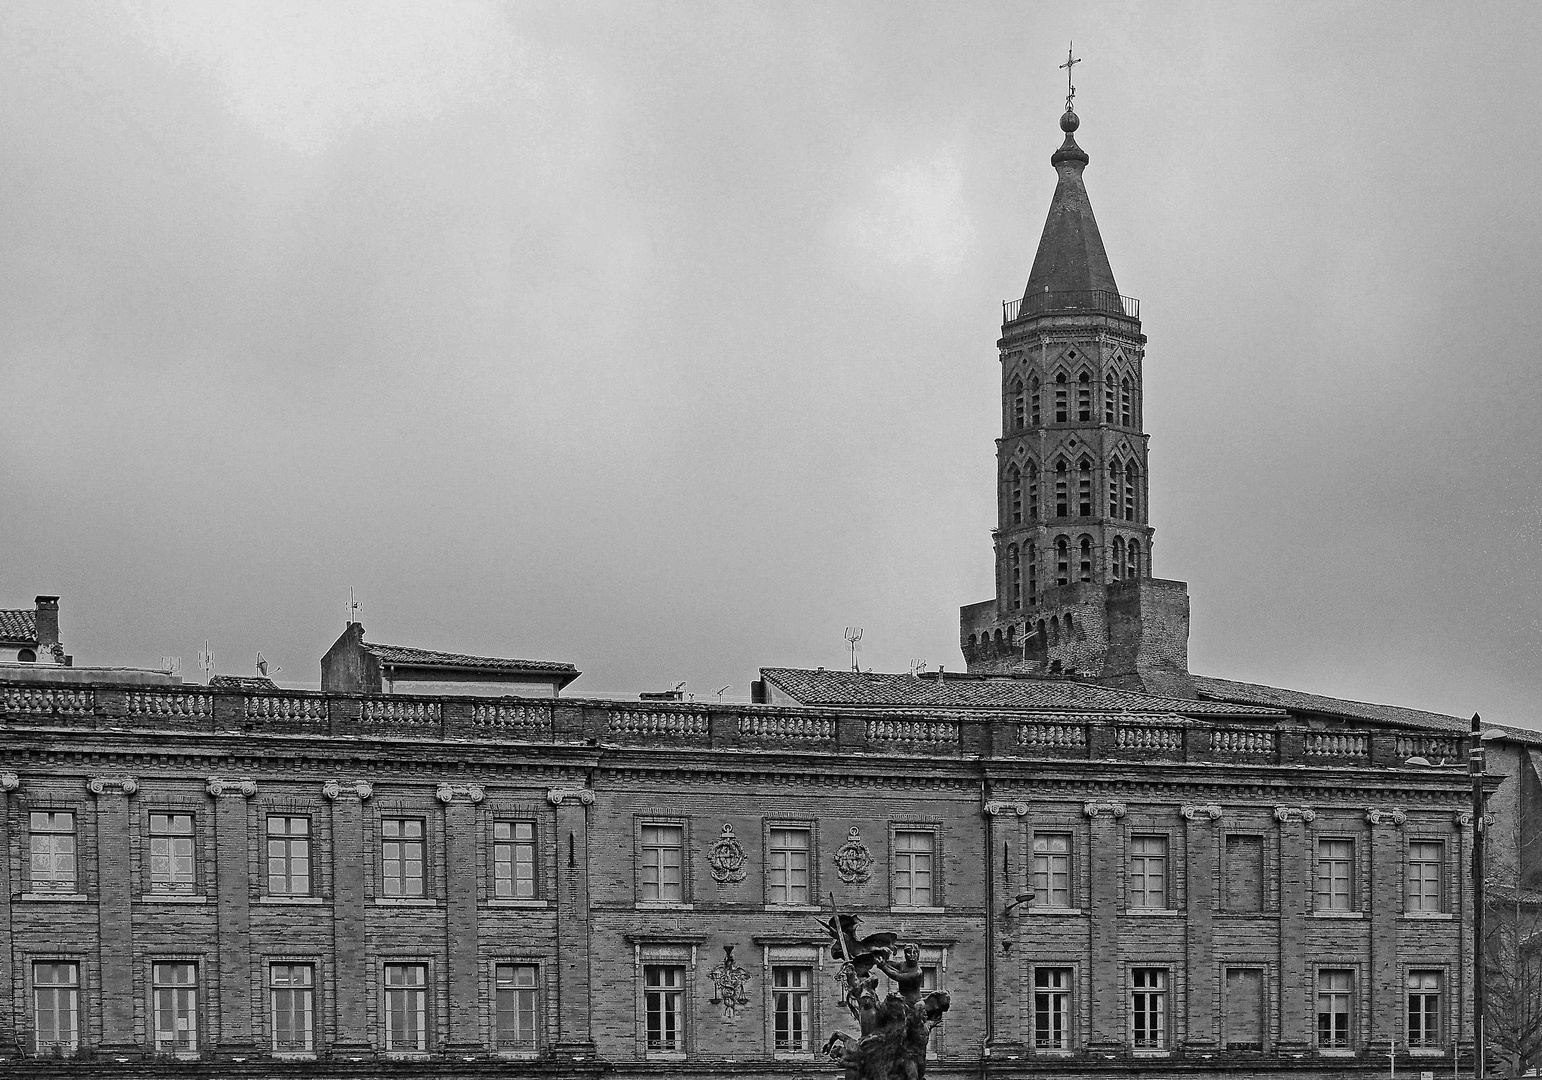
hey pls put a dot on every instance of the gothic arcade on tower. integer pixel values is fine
(1074, 588)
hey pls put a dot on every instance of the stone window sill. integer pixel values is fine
(1052, 910)
(1427, 916)
(171, 898)
(1339, 1053)
(405, 901)
(795, 909)
(311, 900)
(1144, 912)
(510, 902)
(405, 1055)
(1053, 1051)
(1429, 1052)
(1151, 1053)
(294, 1055)
(53, 897)
(896, 909)
(1338, 914)
(666, 1055)
(664, 905)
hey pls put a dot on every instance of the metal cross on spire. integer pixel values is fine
(1070, 61)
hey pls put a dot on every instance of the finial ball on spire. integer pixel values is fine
(1069, 122)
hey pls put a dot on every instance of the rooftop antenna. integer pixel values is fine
(354, 607)
(206, 661)
(262, 666)
(853, 635)
(721, 691)
(917, 666)
(1071, 61)
(171, 665)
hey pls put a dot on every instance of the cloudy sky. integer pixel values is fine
(659, 338)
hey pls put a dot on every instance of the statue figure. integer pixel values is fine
(895, 1030)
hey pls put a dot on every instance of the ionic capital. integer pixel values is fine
(112, 785)
(448, 793)
(1202, 811)
(559, 795)
(352, 789)
(222, 787)
(996, 806)
(1294, 814)
(1385, 817)
(9, 781)
(1105, 806)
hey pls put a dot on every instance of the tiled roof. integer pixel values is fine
(970, 692)
(404, 656)
(18, 626)
(243, 682)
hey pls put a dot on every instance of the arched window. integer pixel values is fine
(1070, 627)
(1011, 635)
(1061, 398)
(1054, 631)
(1062, 489)
(1132, 566)
(1043, 634)
(1086, 560)
(1113, 489)
(1062, 561)
(1126, 417)
(1014, 572)
(1033, 399)
(1084, 398)
(1033, 575)
(1017, 405)
(26, 656)
(1014, 496)
(998, 637)
(1084, 489)
(1033, 492)
(974, 641)
(1110, 396)
(1131, 488)
(1118, 560)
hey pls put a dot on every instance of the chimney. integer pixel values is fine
(47, 621)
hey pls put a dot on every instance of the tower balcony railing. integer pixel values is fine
(1071, 300)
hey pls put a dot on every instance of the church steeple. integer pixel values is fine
(1074, 590)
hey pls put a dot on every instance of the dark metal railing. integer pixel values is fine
(1072, 300)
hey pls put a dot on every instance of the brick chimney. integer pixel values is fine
(47, 622)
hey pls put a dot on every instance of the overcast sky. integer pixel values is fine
(660, 338)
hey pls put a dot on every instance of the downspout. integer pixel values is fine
(990, 935)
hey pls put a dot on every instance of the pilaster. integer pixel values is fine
(1004, 834)
(574, 1036)
(1200, 850)
(461, 937)
(1385, 904)
(349, 879)
(1296, 885)
(10, 1036)
(1103, 929)
(114, 909)
(233, 911)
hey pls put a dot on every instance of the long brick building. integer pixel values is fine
(1111, 864)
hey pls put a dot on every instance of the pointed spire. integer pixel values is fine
(1070, 271)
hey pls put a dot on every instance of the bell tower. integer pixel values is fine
(1074, 587)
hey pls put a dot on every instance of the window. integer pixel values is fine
(1062, 491)
(1060, 398)
(290, 991)
(1132, 567)
(1017, 405)
(289, 856)
(1052, 1008)
(662, 847)
(1033, 492)
(1125, 413)
(514, 860)
(1083, 398)
(787, 866)
(1113, 489)
(1423, 1010)
(664, 1005)
(1084, 549)
(790, 1008)
(1424, 862)
(1062, 561)
(931, 979)
(1015, 493)
(514, 1004)
(1033, 574)
(1148, 872)
(406, 1007)
(913, 868)
(401, 856)
(1335, 869)
(1033, 400)
(1014, 571)
(26, 656)
(1116, 564)
(1244, 873)
(171, 853)
(1130, 476)
(1244, 1007)
(1052, 870)
(56, 1007)
(53, 851)
(1148, 1009)
(1333, 991)
(1084, 489)
(174, 999)
(1108, 398)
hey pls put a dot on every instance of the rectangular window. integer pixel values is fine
(56, 1007)
(913, 868)
(174, 994)
(1335, 875)
(663, 986)
(1424, 865)
(290, 992)
(1244, 1007)
(931, 979)
(514, 859)
(1061, 496)
(1083, 401)
(787, 867)
(1148, 1009)
(53, 851)
(401, 856)
(1060, 404)
(171, 853)
(1423, 1010)
(516, 1007)
(662, 855)
(289, 856)
(1148, 872)
(1244, 873)
(1052, 870)
(406, 1006)
(1052, 1008)
(1334, 986)
(1034, 405)
(790, 1007)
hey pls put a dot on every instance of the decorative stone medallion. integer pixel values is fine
(853, 861)
(727, 858)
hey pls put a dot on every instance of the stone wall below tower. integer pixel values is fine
(1129, 634)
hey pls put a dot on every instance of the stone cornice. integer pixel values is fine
(582, 796)
(351, 789)
(221, 787)
(448, 793)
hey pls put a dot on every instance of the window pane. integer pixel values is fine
(1052, 1008)
(787, 880)
(913, 869)
(515, 1007)
(406, 1006)
(1333, 1008)
(293, 1007)
(665, 1019)
(514, 859)
(661, 861)
(171, 853)
(1148, 872)
(55, 1007)
(401, 857)
(1052, 870)
(174, 1000)
(790, 1008)
(1335, 869)
(1148, 1008)
(52, 851)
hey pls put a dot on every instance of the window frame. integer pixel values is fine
(683, 867)
(514, 843)
(1351, 1003)
(1427, 1045)
(288, 840)
(1069, 854)
(1068, 993)
(169, 886)
(934, 869)
(425, 1012)
(1439, 881)
(52, 886)
(403, 817)
(313, 1015)
(1169, 897)
(804, 966)
(536, 1043)
(1319, 860)
(811, 862)
(679, 1046)
(156, 986)
(77, 1002)
(1227, 906)
(1159, 1004)
(1264, 1003)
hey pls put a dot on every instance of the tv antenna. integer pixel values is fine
(853, 635)
(171, 665)
(206, 661)
(917, 666)
(721, 691)
(354, 606)
(262, 666)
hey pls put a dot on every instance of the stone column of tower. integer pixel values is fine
(1074, 590)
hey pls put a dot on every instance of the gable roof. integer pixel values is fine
(404, 656)
(975, 692)
(19, 626)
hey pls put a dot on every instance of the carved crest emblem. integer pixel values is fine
(852, 859)
(726, 857)
(729, 979)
